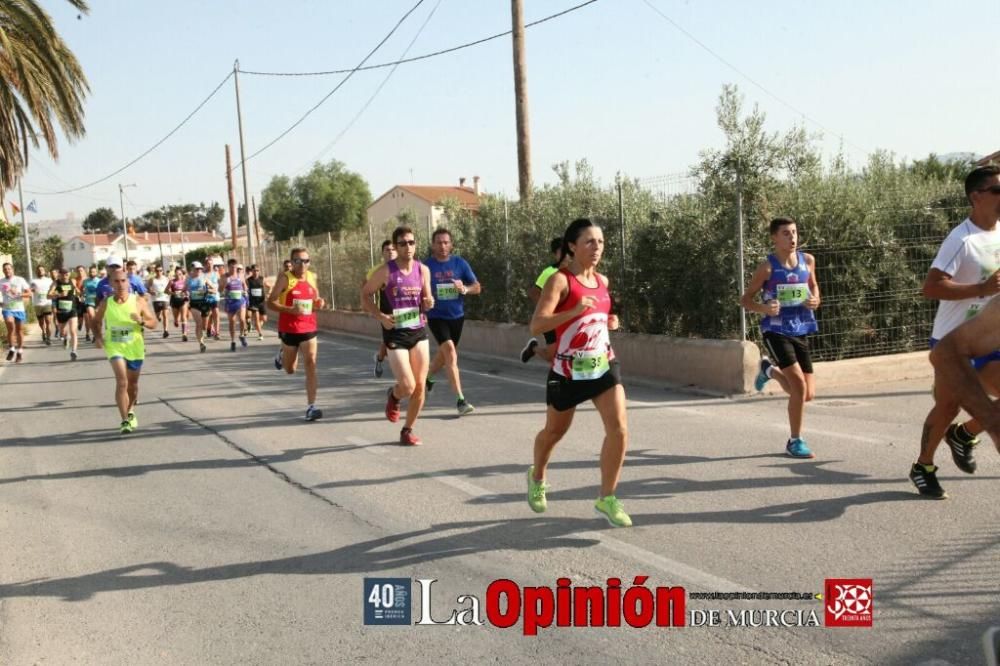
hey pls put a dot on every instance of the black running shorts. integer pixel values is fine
(405, 338)
(786, 351)
(446, 329)
(295, 339)
(564, 393)
(63, 317)
(159, 306)
(177, 302)
(204, 307)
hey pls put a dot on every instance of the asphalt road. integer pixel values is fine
(229, 531)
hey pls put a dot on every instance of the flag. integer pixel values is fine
(14, 208)
(32, 207)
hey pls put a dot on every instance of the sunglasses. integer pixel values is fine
(992, 189)
(300, 261)
(404, 243)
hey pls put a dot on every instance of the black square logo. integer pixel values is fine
(387, 600)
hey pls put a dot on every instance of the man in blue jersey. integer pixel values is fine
(452, 280)
(104, 287)
(789, 296)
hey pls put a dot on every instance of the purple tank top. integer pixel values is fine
(234, 289)
(403, 293)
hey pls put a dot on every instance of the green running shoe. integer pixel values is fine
(612, 510)
(132, 420)
(536, 492)
(126, 428)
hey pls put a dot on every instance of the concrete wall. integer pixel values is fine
(718, 366)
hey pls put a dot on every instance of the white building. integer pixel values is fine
(423, 201)
(145, 247)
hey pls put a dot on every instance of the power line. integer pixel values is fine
(426, 55)
(151, 148)
(748, 77)
(371, 99)
(335, 89)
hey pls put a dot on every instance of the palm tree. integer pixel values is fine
(41, 84)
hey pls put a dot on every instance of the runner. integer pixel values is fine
(177, 288)
(534, 293)
(576, 303)
(43, 305)
(451, 280)
(789, 297)
(236, 304)
(121, 318)
(158, 286)
(87, 306)
(66, 297)
(409, 296)
(214, 277)
(104, 287)
(388, 254)
(197, 288)
(964, 276)
(78, 279)
(15, 291)
(294, 297)
(256, 308)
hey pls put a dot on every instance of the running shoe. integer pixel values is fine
(243, 340)
(391, 407)
(232, 346)
(65, 344)
(87, 338)
(201, 346)
(133, 420)
(72, 356)
(215, 337)
(184, 337)
(378, 367)
(18, 357)
(926, 481)
(962, 448)
(313, 414)
(277, 360)
(260, 337)
(464, 408)
(429, 384)
(762, 377)
(536, 492)
(166, 334)
(125, 428)
(529, 350)
(48, 342)
(611, 509)
(797, 448)
(407, 437)
(10, 354)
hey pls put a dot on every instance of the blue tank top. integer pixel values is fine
(196, 288)
(790, 287)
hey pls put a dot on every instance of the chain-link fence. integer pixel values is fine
(673, 253)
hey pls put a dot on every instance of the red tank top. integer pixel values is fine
(302, 290)
(583, 346)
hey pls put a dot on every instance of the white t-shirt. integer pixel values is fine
(159, 289)
(969, 255)
(40, 291)
(12, 289)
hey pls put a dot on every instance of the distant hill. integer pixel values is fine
(65, 229)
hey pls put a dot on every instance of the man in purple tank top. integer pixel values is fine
(407, 285)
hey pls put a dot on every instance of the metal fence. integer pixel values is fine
(667, 277)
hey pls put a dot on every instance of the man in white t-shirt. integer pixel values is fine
(964, 277)
(43, 305)
(14, 291)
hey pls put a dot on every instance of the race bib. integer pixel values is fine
(790, 295)
(303, 305)
(589, 365)
(257, 293)
(122, 334)
(15, 305)
(235, 295)
(90, 300)
(446, 291)
(198, 294)
(64, 306)
(41, 299)
(406, 317)
(973, 310)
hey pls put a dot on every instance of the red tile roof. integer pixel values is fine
(435, 194)
(189, 237)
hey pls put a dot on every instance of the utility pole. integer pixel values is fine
(24, 230)
(243, 163)
(232, 198)
(121, 202)
(521, 101)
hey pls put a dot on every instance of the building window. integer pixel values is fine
(147, 249)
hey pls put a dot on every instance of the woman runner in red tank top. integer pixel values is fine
(577, 305)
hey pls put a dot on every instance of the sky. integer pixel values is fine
(616, 83)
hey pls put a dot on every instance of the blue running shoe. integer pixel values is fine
(762, 377)
(797, 448)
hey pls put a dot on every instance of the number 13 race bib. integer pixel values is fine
(790, 295)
